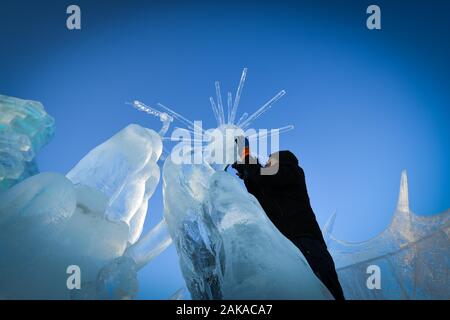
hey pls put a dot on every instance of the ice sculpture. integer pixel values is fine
(412, 254)
(25, 128)
(224, 238)
(222, 234)
(91, 219)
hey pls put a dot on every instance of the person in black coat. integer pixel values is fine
(280, 188)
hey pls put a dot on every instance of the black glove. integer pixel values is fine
(246, 168)
(240, 168)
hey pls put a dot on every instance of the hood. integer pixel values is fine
(286, 157)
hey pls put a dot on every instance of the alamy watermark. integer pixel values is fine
(373, 22)
(374, 280)
(73, 21)
(74, 279)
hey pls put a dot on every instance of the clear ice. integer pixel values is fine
(25, 128)
(412, 254)
(125, 170)
(91, 218)
(227, 247)
(223, 238)
(222, 234)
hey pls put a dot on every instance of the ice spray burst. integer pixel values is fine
(226, 120)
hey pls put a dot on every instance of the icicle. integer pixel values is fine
(215, 111)
(180, 139)
(150, 245)
(238, 95)
(242, 118)
(164, 117)
(179, 117)
(220, 104)
(262, 110)
(271, 132)
(229, 106)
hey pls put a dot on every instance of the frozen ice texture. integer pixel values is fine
(150, 245)
(178, 295)
(118, 280)
(49, 222)
(228, 248)
(25, 128)
(115, 281)
(412, 254)
(163, 117)
(124, 168)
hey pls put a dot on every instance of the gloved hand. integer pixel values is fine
(240, 168)
(247, 167)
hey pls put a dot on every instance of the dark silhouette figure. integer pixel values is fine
(280, 188)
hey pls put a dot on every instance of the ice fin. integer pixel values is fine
(403, 201)
(328, 228)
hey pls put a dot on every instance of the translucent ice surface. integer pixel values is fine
(25, 128)
(411, 256)
(124, 168)
(228, 248)
(49, 222)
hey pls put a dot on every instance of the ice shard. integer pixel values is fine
(412, 254)
(150, 245)
(220, 104)
(215, 111)
(25, 128)
(242, 118)
(223, 238)
(237, 97)
(263, 109)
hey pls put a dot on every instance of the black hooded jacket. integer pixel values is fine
(283, 196)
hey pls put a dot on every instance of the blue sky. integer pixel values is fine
(365, 104)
